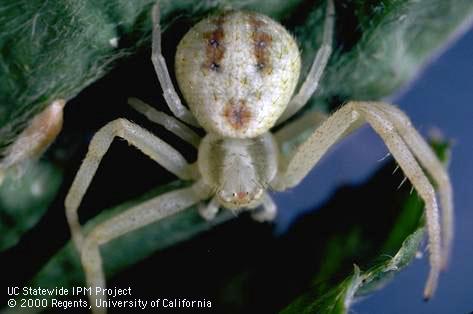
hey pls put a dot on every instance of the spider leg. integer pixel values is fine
(169, 93)
(419, 180)
(316, 70)
(132, 219)
(304, 157)
(210, 210)
(168, 122)
(149, 144)
(433, 166)
(297, 131)
(268, 210)
(307, 122)
(336, 126)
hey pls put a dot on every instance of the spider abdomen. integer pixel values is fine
(237, 72)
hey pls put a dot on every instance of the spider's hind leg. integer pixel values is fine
(312, 80)
(168, 122)
(169, 92)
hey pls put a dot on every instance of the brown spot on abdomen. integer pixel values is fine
(261, 42)
(214, 49)
(237, 114)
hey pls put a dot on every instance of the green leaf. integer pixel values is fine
(393, 41)
(338, 299)
(394, 253)
(25, 199)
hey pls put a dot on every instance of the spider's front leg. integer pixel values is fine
(149, 144)
(137, 216)
(132, 219)
(404, 142)
(430, 162)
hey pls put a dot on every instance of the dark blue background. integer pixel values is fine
(441, 98)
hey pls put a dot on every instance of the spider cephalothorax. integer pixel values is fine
(238, 169)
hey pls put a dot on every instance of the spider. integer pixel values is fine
(238, 72)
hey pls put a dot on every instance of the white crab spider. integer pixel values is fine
(238, 72)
